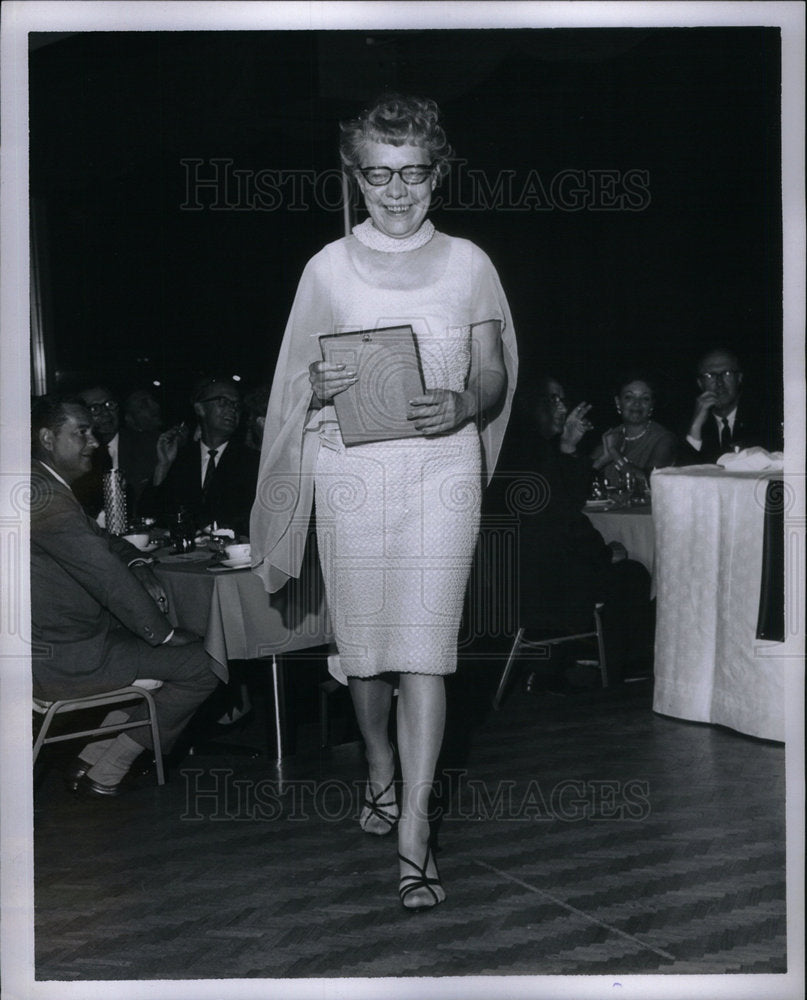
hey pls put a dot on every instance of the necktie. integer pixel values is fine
(211, 468)
(725, 435)
(104, 460)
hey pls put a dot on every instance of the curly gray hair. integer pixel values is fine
(398, 120)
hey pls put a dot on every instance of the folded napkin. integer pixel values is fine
(752, 460)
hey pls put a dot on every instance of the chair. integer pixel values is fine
(520, 642)
(138, 690)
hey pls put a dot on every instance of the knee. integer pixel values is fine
(200, 668)
(207, 679)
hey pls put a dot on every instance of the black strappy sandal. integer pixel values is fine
(376, 806)
(410, 883)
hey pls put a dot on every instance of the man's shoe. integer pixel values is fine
(142, 772)
(94, 790)
(76, 770)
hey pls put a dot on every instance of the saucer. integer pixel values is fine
(598, 504)
(236, 563)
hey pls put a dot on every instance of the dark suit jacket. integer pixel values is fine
(230, 496)
(753, 427)
(137, 456)
(82, 591)
(564, 560)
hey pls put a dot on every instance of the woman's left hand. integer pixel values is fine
(438, 411)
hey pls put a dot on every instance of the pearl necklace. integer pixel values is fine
(373, 238)
(636, 436)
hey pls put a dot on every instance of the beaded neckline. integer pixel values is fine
(373, 238)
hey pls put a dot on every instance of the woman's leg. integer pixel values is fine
(421, 724)
(372, 700)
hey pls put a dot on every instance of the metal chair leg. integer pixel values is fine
(155, 738)
(43, 730)
(508, 668)
(121, 695)
(601, 647)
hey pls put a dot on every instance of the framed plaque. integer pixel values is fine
(387, 363)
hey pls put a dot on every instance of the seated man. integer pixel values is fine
(142, 413)
(97, 609)
(214, 477)
(724, 419)
(565, 565)
(135, 454)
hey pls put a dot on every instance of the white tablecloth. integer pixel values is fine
(709, 665)
(633, 527)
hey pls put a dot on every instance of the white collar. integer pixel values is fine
(113, 448)
(730, 417)
(206, 449)
(373, 238)
(53, 472)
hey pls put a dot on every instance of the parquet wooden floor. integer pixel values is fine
(580, 835)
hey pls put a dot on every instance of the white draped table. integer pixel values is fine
(709, 665)
(240, 621)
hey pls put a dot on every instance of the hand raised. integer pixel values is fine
(610, 442)
(169, 443)
(704, 404)
(576, 425)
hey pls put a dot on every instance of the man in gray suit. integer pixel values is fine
(97, 608)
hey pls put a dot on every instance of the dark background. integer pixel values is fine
(138, 286)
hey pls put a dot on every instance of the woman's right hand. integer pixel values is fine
(610, 443)
(328, 379)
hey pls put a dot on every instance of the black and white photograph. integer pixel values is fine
(402, 500)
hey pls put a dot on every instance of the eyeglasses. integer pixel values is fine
(224, 401)
(108, 404)
(714, 376)
(415, 173)
(555, 401)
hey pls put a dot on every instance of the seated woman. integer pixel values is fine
(639, 444)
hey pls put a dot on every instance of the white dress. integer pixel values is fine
(397, 521)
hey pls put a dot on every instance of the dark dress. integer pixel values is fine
(655, 448)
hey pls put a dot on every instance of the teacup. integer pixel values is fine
(139, 539)
(238, 553)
